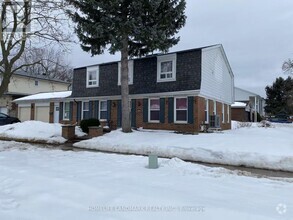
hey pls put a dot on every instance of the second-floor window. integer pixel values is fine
(154, 110)
(130, 72)
(103, 110)
(166, 68)
(92, 76)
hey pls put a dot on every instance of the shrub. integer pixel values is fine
(259, 118)
(86, 123)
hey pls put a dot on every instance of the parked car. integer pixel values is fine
(6, 119)
(280, 119)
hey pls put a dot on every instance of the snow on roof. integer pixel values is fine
(239, 105)
(45, 95)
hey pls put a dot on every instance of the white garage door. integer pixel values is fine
(42, 113)
(24, 113)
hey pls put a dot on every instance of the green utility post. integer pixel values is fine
(153, 162)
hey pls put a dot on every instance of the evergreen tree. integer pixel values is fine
(133, 28)
(280, 96)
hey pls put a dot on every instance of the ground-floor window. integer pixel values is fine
(206, 111)
(223, 113)
(85, 110)
(66, 111)
(103, 110)
(154, 110)
(215, 108)
(180, 109)
(228, 114)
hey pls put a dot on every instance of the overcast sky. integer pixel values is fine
(256, 34)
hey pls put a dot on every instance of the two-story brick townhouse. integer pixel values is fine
(176, 91)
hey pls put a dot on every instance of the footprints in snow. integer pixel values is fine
(7, 202)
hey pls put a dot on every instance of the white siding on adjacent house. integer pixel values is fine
(243, 95)
(25, 85)
(254, 100)
(217, 80)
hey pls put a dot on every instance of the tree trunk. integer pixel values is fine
(126, 125)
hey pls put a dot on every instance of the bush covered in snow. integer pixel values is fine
(239, 124)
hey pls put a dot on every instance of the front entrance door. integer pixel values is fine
(56, 112)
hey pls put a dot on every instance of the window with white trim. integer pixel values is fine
(103, 110)
(206, 111)
(36, 82)
(85, 110)
(223, 113)
(130, 72)
(228, 114)
(92, 77)
(181, 110)
(154, 110)
(215, 108)
(166, 68)
(66, 111)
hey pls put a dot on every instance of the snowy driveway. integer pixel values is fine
(53, 184)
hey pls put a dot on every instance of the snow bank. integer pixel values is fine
(35, 131)
(52, 184)
(268, 148)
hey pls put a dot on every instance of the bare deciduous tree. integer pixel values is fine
(50, 62)
(28, 24)
(288, 67)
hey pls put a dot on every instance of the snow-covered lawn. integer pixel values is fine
(53, 184)
(270, 148)
(35, 131)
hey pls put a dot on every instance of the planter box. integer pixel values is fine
(95, 131)
(68, 132)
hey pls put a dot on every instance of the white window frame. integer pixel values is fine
(223, 113)
(130, 72)
(175, 110)
(100, 105)
(215, 107)
(36, 83)
(154, 121)
(82, 109)
(228, 114)
(64, 104)
(93, 69)
(207, 110)
(166, 58)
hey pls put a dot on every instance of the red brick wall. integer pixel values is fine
(51, 112)
(164, 126)
(199, 116)
(114, 107)
(33, 111)
(238, 114)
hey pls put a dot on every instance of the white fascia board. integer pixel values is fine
(139, 96)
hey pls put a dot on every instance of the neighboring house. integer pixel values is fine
(176, 91)
(255, 102)
(241, 111)
(22, 84)
(41, 107)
